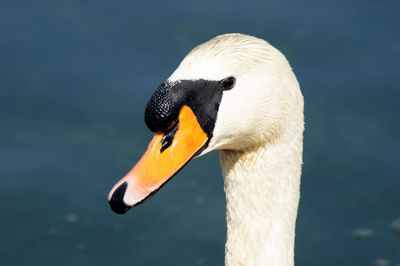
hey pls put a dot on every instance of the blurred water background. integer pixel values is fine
(75, 77)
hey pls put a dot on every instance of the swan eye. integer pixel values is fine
(227, 83)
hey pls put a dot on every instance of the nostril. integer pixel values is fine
(117, 200)
(169, 136)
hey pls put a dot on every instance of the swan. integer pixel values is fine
(237, 94)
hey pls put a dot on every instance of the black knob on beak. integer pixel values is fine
(162, 110)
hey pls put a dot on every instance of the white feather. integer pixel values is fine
(259, 130)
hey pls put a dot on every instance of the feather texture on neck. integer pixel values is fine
(262, 187)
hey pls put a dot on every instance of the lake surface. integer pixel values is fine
(74, 80)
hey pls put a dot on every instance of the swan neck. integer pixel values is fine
(262, 189)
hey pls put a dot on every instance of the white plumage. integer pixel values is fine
(259, 130)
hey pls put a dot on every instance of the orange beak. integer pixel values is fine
(159, 164)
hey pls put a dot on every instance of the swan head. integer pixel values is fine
(234, 92)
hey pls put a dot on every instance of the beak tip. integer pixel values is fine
(116, 201)
(119, 207)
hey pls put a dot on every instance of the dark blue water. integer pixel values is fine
(74, 80)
